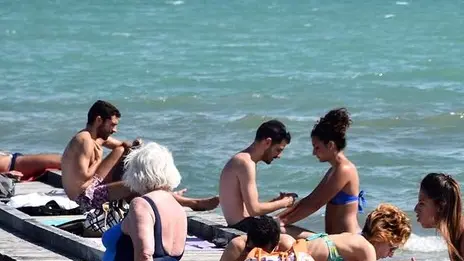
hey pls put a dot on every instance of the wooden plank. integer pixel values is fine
(24, 188)
(14, 246)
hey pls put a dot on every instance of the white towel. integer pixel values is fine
(40, 199)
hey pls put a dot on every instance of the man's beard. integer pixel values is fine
(102, 134)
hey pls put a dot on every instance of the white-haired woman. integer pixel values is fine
(155, 227)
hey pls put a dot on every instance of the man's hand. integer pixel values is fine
(283, 195)
(289, 200)
(127, 144)
(132, 144)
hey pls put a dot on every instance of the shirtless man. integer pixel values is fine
(237, 186)
(88, 178)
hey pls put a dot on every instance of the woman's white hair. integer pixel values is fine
(150, 167)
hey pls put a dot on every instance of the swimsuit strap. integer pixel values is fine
(159, 248)
(361, 202)
(316, 236)
(333, 252)
(13, 160)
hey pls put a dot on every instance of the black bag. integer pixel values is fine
(50, 209)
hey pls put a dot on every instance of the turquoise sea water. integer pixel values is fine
(200, 77)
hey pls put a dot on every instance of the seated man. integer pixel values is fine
(237, 188)
(29, 166)
(91, 180)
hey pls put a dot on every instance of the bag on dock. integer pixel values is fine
(7, 187)
(101, 219)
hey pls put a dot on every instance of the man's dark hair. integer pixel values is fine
(275, 130)
(264, 232)
(103, 109)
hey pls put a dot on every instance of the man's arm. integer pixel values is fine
(112, 143)
(329, 186)
(85, 149)
(247, 180)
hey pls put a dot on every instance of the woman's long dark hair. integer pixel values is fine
(446, 194)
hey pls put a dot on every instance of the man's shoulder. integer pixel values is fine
(240, 160)
(79, 141)
(82, 137)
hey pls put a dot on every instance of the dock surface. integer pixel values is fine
(24, 237)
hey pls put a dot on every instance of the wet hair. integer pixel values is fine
(264, 232)
(103, 109)
(333, 127)
(387, 224)
(446, 194)
(275, 130)
(150, 167)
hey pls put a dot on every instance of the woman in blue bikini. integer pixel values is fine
(339, 189)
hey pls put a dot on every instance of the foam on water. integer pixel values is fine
(425, 244)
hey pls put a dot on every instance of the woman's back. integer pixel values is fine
(141, 222)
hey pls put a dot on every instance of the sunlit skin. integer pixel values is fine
(426, 211)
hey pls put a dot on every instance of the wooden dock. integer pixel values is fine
(20, 232)
(14, 246)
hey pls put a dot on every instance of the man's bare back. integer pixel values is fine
(79, 163)
(230, 194)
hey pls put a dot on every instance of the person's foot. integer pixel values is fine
(180, 192)
(205, 204)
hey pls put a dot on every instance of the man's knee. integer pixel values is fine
(239, 242)
(119, 150)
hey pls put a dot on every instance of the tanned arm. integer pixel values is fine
(112, 143)
(329, 186)
(247, 180)
(85, 149)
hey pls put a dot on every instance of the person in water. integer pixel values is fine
(339, 189)
(28, 166)
(386, 229)
(440, 206)
(155, 227)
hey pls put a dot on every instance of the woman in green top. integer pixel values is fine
(386, 229)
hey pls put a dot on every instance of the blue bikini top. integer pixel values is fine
(343, 198)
